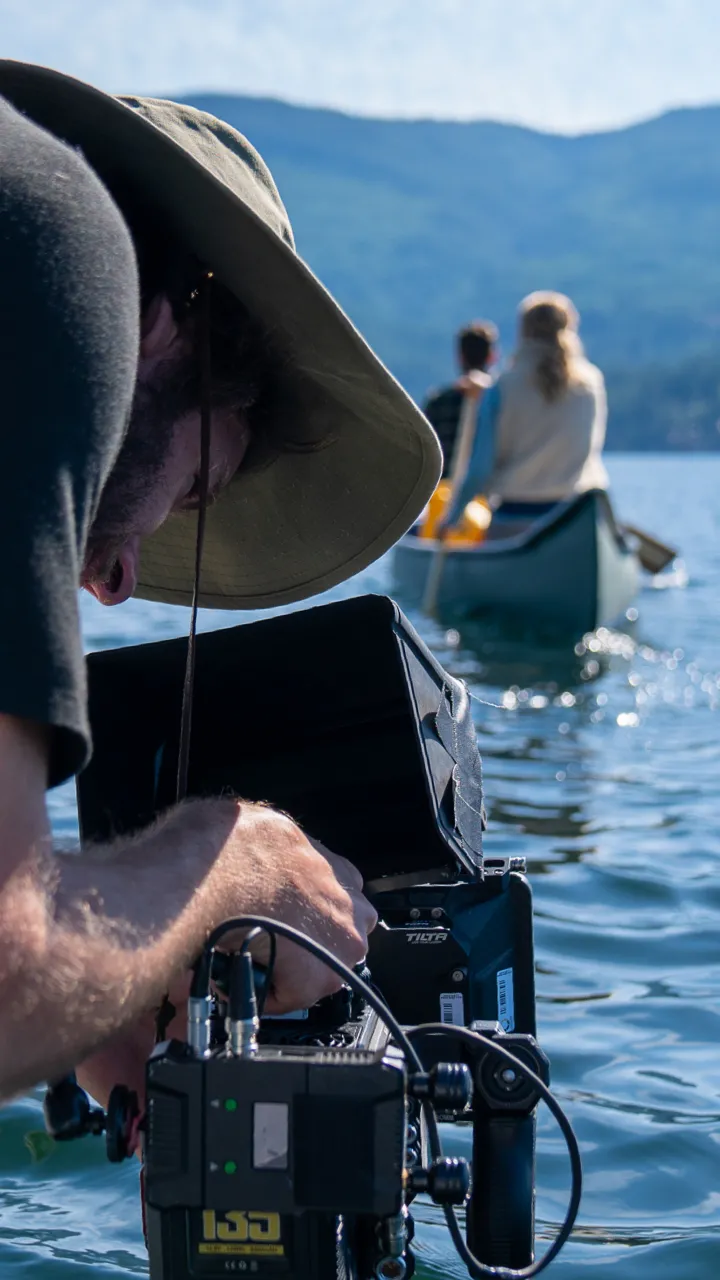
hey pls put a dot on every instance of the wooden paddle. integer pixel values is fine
(652, 554)
(458, 470)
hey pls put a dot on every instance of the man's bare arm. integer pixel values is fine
(89, 942)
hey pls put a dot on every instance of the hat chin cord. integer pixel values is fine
(166, 1011)
(203, 480)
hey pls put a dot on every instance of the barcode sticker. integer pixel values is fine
(506, 999)
(452, 1008)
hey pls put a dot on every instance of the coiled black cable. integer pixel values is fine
(357, 984)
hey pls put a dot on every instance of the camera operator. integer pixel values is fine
(112, 213)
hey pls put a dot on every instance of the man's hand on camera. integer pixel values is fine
(266, 867)
(297, 881)
(343, 920)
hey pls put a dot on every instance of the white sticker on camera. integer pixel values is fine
(270, 1135)
(452, 1008)
(506, 999)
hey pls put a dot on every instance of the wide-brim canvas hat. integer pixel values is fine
(309, 519)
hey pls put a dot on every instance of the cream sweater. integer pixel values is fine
(546, 451)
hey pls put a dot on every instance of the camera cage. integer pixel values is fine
(342, 717)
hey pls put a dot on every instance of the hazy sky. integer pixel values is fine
(571, 65)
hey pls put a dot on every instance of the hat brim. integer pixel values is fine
(309, 520)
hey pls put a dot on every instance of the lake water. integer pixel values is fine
(602, 769)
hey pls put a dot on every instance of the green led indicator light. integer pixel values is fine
(230, 1166)
(230, 1104)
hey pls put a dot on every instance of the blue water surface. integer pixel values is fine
(601, 768)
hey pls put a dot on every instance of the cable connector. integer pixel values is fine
(242, 1023)
(199, 1025)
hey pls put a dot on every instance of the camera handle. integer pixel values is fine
(500, 1215)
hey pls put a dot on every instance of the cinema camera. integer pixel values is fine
(295, 1146)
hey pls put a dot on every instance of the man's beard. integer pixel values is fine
(156, 411)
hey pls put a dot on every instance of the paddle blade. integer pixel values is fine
(653, 555)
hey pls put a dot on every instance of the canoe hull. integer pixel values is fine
(570, 571)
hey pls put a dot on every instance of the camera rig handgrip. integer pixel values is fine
(504, 1124)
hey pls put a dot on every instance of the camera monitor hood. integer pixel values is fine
(338, 714)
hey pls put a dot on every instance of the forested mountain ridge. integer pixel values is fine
(419, 226)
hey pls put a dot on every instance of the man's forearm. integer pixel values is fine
(89, 943)
(103, 933)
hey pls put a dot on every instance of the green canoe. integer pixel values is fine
(569, 571)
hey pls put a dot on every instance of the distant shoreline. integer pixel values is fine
(417, 228)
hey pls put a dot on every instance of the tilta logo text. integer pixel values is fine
(435, 936)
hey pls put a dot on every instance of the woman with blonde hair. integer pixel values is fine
(541, 426)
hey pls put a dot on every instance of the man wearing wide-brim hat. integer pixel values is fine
(147, 265)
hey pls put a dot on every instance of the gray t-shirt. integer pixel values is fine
(69, 314)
